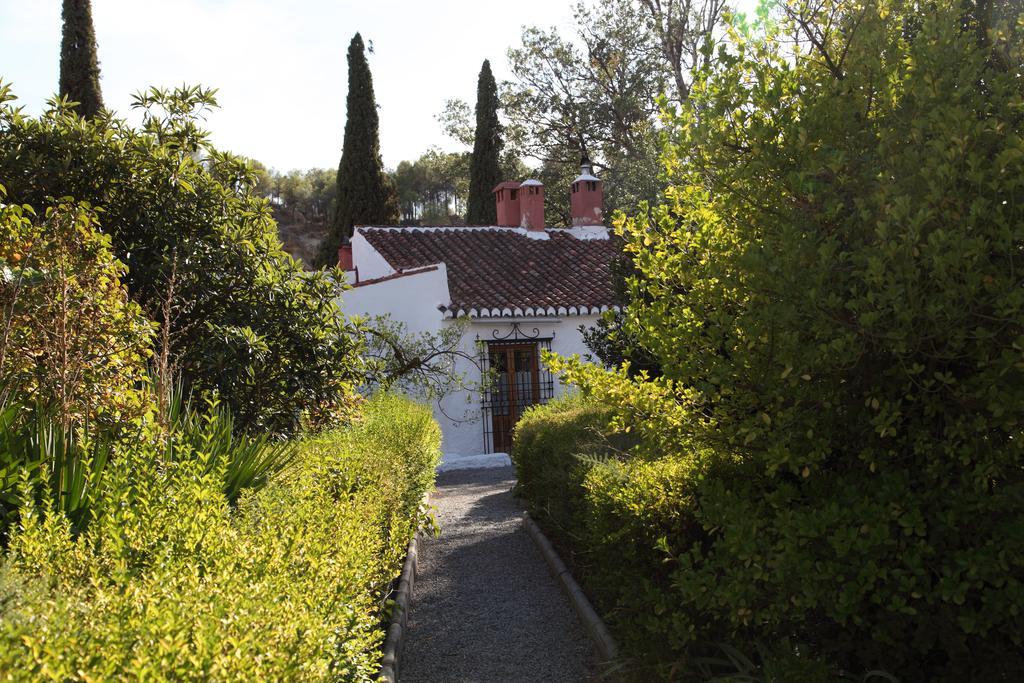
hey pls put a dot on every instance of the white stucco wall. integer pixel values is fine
(368, 261)
(412, 299)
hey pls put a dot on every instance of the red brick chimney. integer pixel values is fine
(506, 195)
(345, 257)
(531, 205)
(587, 196)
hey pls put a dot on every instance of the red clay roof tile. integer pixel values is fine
(502, 268)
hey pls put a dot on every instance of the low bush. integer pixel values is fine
(628, 521)
(60, 465)
(170, 581)
(609, 511)
(548, 444)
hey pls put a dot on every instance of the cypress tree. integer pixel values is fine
(79, 68)
(484, 168)
(366, 195)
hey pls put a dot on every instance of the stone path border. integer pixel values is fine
(394, 641)
(595, 626)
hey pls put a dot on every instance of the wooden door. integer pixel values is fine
(516, 387)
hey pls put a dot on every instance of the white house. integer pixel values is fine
(523, 287)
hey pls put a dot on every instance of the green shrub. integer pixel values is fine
(832, 293)
(621, 517)
(636, 511)
(71, 341)
(548, 443)
(53, 464)
(61, 464)
(246, 461)
(170, 582)
(611, 512)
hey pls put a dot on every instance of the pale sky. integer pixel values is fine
(280, 65)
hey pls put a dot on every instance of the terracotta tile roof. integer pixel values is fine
(502, 268)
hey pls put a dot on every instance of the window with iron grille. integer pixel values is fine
(514, 380)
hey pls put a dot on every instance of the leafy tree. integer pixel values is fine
(264, 185)
(310, 193)
(611, 341)
(685, 30)
(600, 89)
(238, 316)
(677, 37)
(295, 191)
(323, 190)
(365, 193)
(484, 168)
(596, 89)
(79, 68)
(832, 293)
(455, 120)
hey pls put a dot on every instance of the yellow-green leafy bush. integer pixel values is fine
(548, 443)
(170, 581)
(609, 511)
(71, 341)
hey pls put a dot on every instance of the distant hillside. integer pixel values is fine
(301, 237)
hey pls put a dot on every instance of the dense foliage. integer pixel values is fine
(485, 166)
(79, 66)
(308, 194)
(237, 314)
(71, 341)
(365, 194)
(596, 90)
(612, 342)
(59, 464)
(597, 86)
(607, 512)
(832, 454)
(169, 582)
(551, 443)
(612, 516)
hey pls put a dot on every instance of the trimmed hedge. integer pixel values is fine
(548, 442)
(832, 292)
(611, 514)
(170, 581)
(683, 561)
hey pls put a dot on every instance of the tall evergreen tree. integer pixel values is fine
(79, 68)
(366, 195)
(485, 168)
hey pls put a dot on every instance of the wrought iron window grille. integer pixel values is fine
(513, 378)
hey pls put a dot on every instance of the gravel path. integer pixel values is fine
(485, 607)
